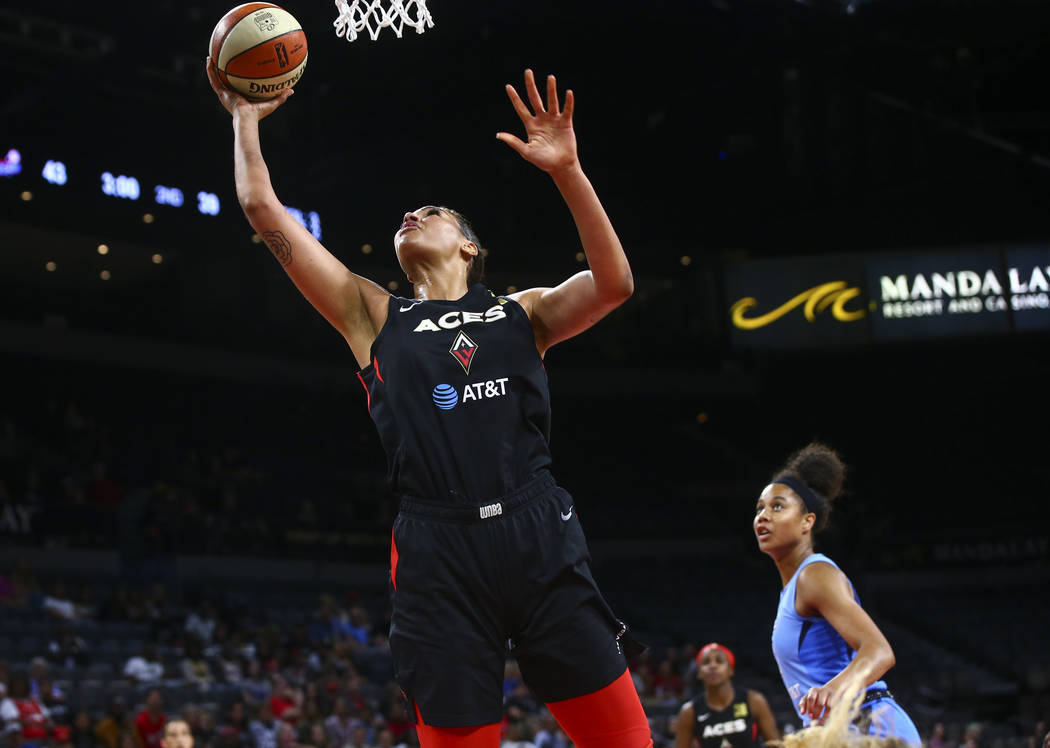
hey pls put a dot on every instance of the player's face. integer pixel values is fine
(781, 520)
(177, 735)
(714, 667)
(427, 233)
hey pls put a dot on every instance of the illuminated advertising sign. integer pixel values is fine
(1028, 279)
(937, 295)
(797, 302)
(825, 302)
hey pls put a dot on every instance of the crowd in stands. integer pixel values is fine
(102, 663)
(250, 674)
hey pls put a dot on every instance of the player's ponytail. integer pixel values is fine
(816, 473)
(476, 270)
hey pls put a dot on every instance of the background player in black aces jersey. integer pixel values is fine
(486, 547)
(720, 717)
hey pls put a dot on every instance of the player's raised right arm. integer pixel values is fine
(355, 306)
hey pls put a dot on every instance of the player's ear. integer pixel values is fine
(470, 248)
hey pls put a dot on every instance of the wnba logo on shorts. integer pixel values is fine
(491, 510)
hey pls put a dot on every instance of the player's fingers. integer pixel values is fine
(513, 141)
(268, 106)
(518, 104)
(552, 95)
(533, 92)
(213, 78)
(570, 104)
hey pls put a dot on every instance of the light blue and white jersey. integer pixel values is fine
(809, 652)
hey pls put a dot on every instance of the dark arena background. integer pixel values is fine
(836, 212)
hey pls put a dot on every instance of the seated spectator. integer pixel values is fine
(22, 709)
(286, 702)
(340, 722)
(227, 665)
(149, 723)
(12, 735)
(515, 737)
(146, 667)
(195, 669)
(287, 737)
(972, 736)
(37, 674)
(255, 686)
(937, 739)
(60, 604)
(264, 727)
(317, 737)
(668, 684)
(234, 730)
(359, 738)
(548, 733)
(55, 701)
(203, 728)
(116, 722)
(68, 649)
(357, 626)
(81, 734)
(520, 703)
(397, 719)
(201, 623)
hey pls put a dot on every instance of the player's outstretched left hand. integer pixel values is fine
(551, 141)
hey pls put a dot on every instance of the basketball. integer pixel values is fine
(259, 50)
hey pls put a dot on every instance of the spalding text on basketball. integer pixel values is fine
(254, 87)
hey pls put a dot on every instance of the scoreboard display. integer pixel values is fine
(30, 168)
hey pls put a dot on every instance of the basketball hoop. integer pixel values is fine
(359, 15)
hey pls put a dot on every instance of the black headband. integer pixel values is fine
(813, 500)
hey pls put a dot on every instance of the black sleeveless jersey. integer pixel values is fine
(458, 393)
(732, 727)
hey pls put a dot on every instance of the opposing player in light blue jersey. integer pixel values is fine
(822, 637)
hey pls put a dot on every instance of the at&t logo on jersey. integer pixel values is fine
(446, 397)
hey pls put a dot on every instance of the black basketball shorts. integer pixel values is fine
(474, 585)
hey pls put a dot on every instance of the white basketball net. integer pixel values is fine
(359, 15)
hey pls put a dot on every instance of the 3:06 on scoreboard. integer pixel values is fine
(127, 187)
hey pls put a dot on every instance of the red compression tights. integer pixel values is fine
(478, 736)
(611, 717)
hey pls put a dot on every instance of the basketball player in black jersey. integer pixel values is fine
(720, 717)
(486, 547)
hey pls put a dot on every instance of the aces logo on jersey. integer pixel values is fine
(463, 350)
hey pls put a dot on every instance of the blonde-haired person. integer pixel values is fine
(822, 637)
(720, 717)
(845, 724)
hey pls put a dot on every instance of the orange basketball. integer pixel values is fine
(259, 50)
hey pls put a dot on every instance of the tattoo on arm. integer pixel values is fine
(280, 246)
